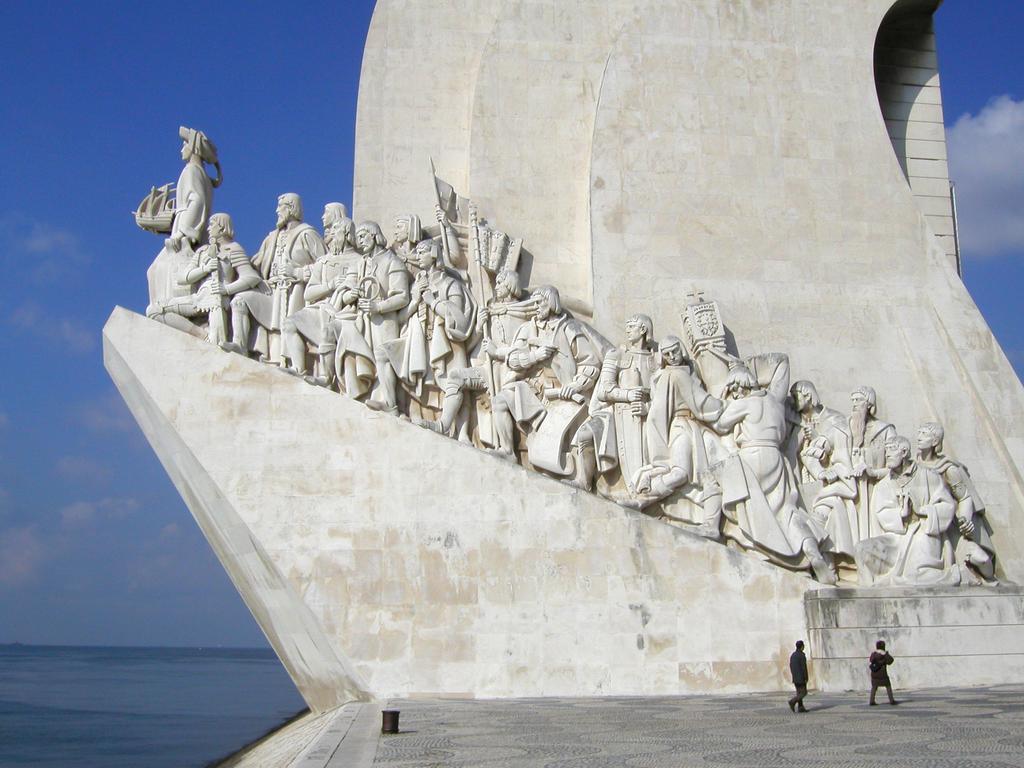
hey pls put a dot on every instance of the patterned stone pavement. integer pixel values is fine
(940, 728)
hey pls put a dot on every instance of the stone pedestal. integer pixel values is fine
(939, 636)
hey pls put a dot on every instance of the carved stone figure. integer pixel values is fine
(720, 442)
(375, 293)
(217, 271)
(283, 261)
(866, 454)
(314, 323)
(193, 200)
(438, 321)
(758, 491)
(913, 510)
(496, 324)
(974, 550)
(406, 234)
(828, 484)
(551, 368)
(614, 433)
(680, 448)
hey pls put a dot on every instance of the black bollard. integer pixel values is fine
(389, 721)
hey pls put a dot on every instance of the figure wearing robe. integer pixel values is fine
(617, 426)
(281, 260)
(315, 321)
(438, 321)
(363, 336)
(758, 487)
(193, 198)
(914, 510)
(680, 447)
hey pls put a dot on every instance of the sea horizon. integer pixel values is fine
(120, 706)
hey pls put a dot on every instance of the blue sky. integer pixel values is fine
(96, 547)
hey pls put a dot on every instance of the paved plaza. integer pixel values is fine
(961, 728)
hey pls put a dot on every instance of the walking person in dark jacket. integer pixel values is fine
(879, 666)
(798, 669)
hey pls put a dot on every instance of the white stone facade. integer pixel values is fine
(642, 147)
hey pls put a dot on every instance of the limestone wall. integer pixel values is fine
(384, 560)
(642, 147)
(939, 637)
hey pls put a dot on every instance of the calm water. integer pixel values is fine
(135, 707)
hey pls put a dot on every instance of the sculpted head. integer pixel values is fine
(863, 399)
(929, 437)
(337, 227)
(368, 237)
(289, 209)
(221, 228)
(506, 285)
(196, 144)
(339, 234)
(672, 352)
(740, 382)
(427, 254)
(639, 328)
(407, 229)
(333, 213)
(548, 301)
(805, 396)
(897, 451)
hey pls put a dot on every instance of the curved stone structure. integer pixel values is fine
(740, 145)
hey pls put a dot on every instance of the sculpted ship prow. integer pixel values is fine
(685, 429)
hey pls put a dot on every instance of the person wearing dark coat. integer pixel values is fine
(798, 669)
(879, 666)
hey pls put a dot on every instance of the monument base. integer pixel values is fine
(939, 636)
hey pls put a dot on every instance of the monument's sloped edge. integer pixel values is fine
(435, 568)
(320, 674)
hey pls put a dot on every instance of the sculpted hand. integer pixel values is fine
(173, 242)
(637, 395)
(859, 468)
(490, 348)
(545, 351)
(966, 526)
(482, 317)
(370, 306)
(829, 476)
(638, 409)
(807, 432)
(439, 215)
(568, 392)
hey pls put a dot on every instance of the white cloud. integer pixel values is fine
(48, 251)
(986, 161)
(107, 414)
(66, 333)
(81, 468)
(82, 513)
(21, 552)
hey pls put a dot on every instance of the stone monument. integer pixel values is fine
(517, 451)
